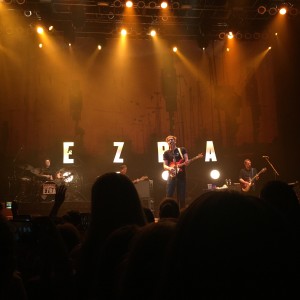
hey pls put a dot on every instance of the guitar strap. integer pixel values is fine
(179, 150)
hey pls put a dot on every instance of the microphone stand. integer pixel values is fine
(275, 172)
(176, 180)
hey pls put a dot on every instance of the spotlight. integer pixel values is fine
(27, 13)
(256, 35)
(238, 36)
(123, 32)
(129, 4)
(40, 30)
(222, 35)
(141, 4)
(117, 3)
(283, 10)
(175, 5)
(230, 35)
(215, 174)
(273, 11)
(261, 10)
(164, 5)
(248, 36)
(110, 15)
(152, 32)
(152, 4)
(293, 11)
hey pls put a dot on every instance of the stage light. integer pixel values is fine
(164, 5)
(117, 3)
(222, 35)
(256, 35)
(111, 15)
(238, 36)
(283, 10)
(40, 45)
(123, 32)
(129, 4)
(273, 10)
(175, 5)
(230, 35)
(165, 175)
(153, 32)
(40, 30)
(261, 10)
(174, 49)
(99, 47)
(248, 36)
(27, 13)
(141, 4)
(293, 11)
(215, 174)
(152, 4)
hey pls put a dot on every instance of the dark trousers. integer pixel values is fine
(177, 184)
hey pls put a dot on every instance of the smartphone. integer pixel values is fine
(23, 230)
(8, 205)
(85, 220)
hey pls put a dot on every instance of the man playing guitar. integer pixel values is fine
(247, 178)
(177, 179)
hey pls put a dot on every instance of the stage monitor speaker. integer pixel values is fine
(236, 186)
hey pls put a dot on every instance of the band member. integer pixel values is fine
(123, 170)
(177, 176)
(46, 171)
(248, 177)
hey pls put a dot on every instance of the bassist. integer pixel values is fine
(177, 176)
(247, 178)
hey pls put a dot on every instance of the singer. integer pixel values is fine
(177, 177)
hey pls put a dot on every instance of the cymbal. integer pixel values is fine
(26, 167)
(35, 171)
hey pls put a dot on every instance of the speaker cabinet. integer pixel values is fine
(145, 188)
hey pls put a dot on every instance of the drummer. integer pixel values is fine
(46, 172)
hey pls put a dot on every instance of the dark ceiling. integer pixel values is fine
(186, 19)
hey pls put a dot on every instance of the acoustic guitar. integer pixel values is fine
(246, 188)
(177, 167)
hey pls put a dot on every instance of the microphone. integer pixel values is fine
(264, 156)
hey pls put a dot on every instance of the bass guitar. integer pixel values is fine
(246, 188)
(177, 167)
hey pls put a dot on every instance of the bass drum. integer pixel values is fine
(70, 177)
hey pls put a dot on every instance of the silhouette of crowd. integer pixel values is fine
(224, 245)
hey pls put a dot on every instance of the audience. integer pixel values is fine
(144, 260)
(11, 283)
(284, 199)
(225, 245)
(114, 203)
(230, 246)
(169, 208)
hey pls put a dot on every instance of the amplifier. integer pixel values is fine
(145, 188)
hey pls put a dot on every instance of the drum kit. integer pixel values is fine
(29, 186)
